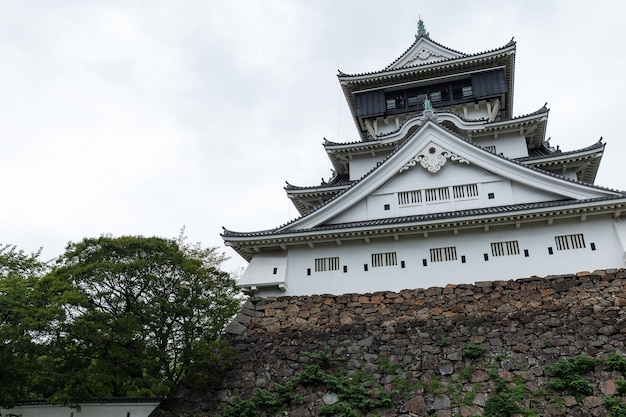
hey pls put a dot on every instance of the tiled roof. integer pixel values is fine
(388, 68)
(280, 229)
(546, 152)
(97, 400)
(331, 144)
(337, 180)
(510, 209)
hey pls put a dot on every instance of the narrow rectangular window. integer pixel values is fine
(275, 271)
(327, 264)
(550, 251)
(408, 198)
(443, 254)
(345, 269)
(308, 271)
(365, 267)
(507, 248)
(593, 246)
(424, 262)
(569, 242)
(462, 259)
(526, 254)
(437, 194)
(384, 259)
(401, 264)
(463, 192)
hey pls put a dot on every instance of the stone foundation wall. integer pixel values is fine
(413, 345)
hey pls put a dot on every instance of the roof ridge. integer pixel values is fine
(432, 216)
(449, 60)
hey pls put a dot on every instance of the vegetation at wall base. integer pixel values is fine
(359, 393)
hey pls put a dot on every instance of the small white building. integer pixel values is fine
(103, 407)
(444, 186)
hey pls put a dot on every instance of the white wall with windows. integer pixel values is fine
(455, 187)
(117, 409)
(500, 253)
(511, 145)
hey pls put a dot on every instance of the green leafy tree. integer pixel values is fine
(22, 323)
(138, 314)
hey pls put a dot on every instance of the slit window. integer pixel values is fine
(437, 194)
(569, 242)
(508, 248)
(443, 254)
(466, 191)
(384, 259)
(407, 198)
(327, 264)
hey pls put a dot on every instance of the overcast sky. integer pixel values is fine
(141, 117)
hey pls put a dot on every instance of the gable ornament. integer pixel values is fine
(424, 54)
(433, 157)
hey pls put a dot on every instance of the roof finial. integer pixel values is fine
(421, 29)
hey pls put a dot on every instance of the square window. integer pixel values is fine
(491, 196)
(387, 207)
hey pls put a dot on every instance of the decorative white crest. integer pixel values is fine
(433, 157)
(423, 54)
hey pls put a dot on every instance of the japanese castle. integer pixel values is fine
(444, 185)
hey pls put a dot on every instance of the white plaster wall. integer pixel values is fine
(471, 244)
(86, 410)
(266, 269)
(362, 164)
(474, 113)
(511, 145)
(493, 192)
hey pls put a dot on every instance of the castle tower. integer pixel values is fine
(444, 185)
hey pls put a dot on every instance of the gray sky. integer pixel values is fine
(141, 117)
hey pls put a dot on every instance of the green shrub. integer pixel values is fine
(615, 407)
(616, 362)
(473, 350)
(338, 410)
(621, 386)
(501, 405)
(568, 375)
(323, 357)
(311, 375)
